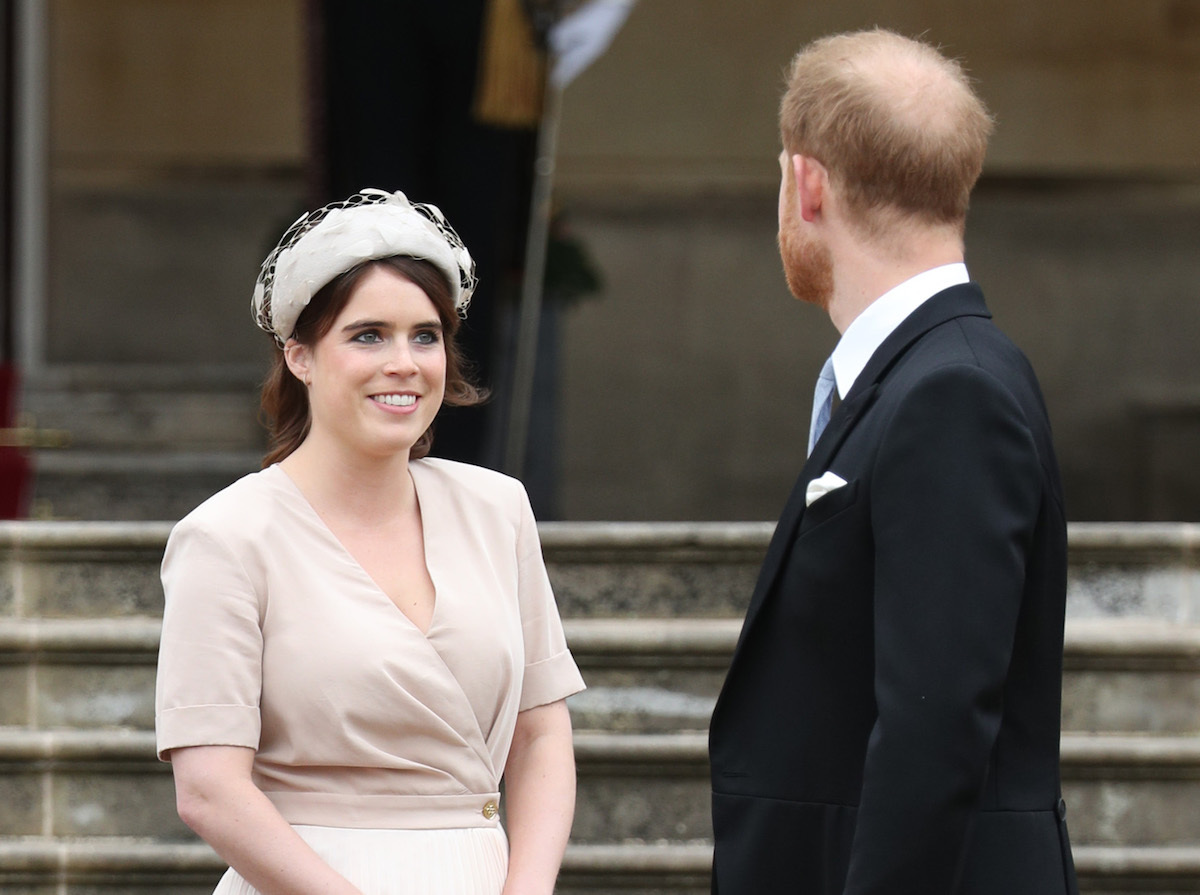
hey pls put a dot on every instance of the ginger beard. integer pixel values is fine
(807, 267)
(807, 263)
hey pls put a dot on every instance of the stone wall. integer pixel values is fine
(699, 351)
(687, 95)
(178, 149)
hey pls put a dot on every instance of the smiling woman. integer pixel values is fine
(285, 398)
(359, 641)
(376, 379)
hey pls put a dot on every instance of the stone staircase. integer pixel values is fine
(652, 613)
(141, 441)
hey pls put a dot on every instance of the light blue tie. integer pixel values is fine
(822, 404)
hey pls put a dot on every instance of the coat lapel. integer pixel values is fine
(840, 425)
(957, 301)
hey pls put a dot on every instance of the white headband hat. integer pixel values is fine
(325, 243)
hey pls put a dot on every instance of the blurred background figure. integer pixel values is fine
(397, 88)
(443, 101)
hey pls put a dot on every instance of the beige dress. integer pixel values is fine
(384, 746)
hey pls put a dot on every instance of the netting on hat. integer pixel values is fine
(467, 280)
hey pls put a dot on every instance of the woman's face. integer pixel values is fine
(377, 378)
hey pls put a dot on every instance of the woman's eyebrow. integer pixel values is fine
(365, 324)
(357, 325)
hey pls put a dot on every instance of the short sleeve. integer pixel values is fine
(550, 670)
(210, 655)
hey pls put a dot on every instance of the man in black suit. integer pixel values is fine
(890, 721)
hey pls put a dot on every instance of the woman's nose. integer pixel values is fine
(400, 359)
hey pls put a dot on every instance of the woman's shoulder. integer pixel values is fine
(246, 507)
(467, 484)
(455, 474)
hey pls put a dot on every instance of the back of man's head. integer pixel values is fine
(896, 124)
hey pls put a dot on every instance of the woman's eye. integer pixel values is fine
(368, 337)
(427, 337)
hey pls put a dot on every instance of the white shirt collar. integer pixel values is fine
(880, 318)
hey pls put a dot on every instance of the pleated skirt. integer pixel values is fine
(404, 862)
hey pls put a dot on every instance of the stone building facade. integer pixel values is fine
(175, 151)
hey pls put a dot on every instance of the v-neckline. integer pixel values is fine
(358, 566)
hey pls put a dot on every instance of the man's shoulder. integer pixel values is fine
(970, 356)
(970, 339)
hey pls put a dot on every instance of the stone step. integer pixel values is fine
(133, 485)
(1120, 790)
(1134, 570)
(142, 441)
(599, 570)
(1120, 675)
(644, 675)
(1131, 675)
(107, 866)
(82, 570)
(654, 570)
(145, 407)
(651, 787)
(84, 673)
(1128, 570)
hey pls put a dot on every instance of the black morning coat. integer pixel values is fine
(890, 721)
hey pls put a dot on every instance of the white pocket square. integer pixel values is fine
(819, 487)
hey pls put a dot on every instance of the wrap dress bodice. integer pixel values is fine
(275, 638)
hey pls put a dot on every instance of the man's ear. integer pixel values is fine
(812, 180)
(299, 360)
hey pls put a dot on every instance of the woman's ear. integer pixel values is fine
(299, 360)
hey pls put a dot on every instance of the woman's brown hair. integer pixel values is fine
(284, 399)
